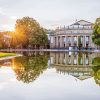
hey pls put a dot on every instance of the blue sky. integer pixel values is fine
(49, 13)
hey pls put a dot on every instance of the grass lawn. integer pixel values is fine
(7, 54)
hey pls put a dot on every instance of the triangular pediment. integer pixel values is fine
(83, 22)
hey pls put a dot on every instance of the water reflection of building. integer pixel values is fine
(76, 64)
(78, 72)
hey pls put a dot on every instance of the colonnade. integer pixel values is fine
(71, 40)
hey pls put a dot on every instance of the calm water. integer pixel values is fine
(51, 76)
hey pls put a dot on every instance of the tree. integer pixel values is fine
(4, 39)
(96, 32)
(29, 32)
(24, 27)
(13, 39)
(39, 38)
(1, 40)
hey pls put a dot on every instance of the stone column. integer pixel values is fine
(89, 42)
(77, 41)
(53, 42)
(83, 41)
(66, 41)
(60, 41)
(57, 42)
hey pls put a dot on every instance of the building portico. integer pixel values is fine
(76, 35)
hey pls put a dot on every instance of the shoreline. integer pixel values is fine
(9, 57)
(47, 50)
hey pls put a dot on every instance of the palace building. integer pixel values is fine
(77, 35)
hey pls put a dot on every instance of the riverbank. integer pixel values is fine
(46, 50)
(10, 57)
(6, 54)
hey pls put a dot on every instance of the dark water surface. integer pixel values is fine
(51, 76)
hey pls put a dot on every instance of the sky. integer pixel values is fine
(49, 13)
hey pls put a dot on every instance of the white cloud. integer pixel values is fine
(49, 12)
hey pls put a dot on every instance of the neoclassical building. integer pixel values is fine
(77, 35)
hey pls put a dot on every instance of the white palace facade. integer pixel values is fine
(77, 35)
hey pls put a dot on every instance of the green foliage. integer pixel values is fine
(7, 54)
(39, 37)
(79, 58)
(29, 32)
(1, 40)
(96, 70)
(96, 61)
(96, 32)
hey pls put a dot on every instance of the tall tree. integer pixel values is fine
(96, 32)
(1, 40)
(29, 32)
(24, 27)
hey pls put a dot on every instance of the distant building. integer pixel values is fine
(77, 35)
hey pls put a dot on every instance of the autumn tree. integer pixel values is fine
(29, 32)
(1, 40)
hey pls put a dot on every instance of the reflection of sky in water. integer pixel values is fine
(49, 86)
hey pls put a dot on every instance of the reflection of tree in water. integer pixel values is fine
(96, 70)
(29, 68)
(96, 61)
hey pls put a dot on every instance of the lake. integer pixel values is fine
(51, 76)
